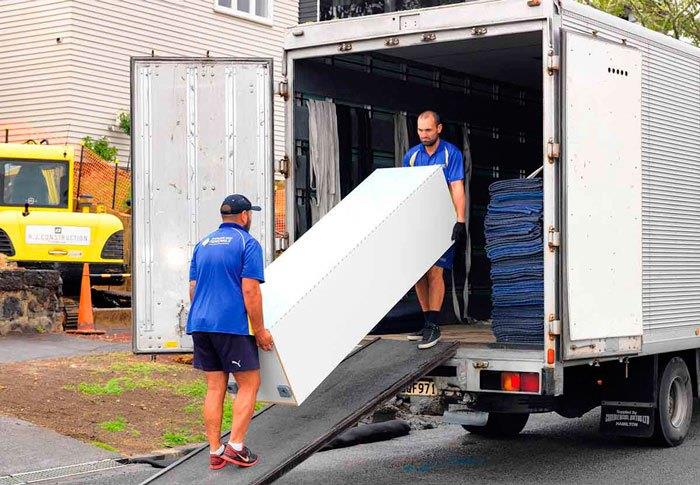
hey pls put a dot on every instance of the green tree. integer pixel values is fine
(677, 18)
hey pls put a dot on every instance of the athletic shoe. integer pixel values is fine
(244, 458)
(415, 336)
(431, 336)
(216, 462)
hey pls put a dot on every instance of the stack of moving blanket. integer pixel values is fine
(514, 244)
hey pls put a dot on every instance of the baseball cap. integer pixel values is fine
(237, 203)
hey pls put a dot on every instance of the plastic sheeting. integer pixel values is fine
(324, 157)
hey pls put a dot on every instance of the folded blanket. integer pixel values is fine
(511, 185)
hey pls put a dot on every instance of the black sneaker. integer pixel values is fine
(244, 458)
(431, 336)
(415, 336)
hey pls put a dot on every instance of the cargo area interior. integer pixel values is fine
(488, 92)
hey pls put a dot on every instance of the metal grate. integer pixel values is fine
(61, 472)
(114, 247)
(6, 244)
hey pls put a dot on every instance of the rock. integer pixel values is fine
(11, 307)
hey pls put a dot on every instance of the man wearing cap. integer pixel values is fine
(226, 324)
(434, 151)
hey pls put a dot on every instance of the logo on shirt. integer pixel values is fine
(220, 241)
(205, 242)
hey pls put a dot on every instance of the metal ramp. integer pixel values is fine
(284, 436)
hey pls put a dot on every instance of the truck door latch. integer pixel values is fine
(554, 238)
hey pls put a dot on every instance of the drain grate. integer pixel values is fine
(61, 472)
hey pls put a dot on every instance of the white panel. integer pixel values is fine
(603, 231)
(332, 286)
(187, 117)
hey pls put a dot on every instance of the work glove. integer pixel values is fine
(459, 232)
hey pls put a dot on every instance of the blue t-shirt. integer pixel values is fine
(219, 263)
(447, 155)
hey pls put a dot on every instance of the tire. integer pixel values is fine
(675, 404)
(500, 425)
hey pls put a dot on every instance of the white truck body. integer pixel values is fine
(621, 155)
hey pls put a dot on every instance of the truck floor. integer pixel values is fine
(284, 436)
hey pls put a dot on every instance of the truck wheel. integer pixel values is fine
(500, 425)
(675, 405)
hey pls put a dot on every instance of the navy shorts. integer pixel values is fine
(447, 260)
(224, 352)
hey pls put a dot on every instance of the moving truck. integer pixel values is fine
(608, 109)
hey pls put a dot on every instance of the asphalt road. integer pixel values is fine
(551, 449)
(18, 348)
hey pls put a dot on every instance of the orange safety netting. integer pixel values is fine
(104, 181)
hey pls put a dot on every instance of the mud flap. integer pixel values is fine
(627, 419)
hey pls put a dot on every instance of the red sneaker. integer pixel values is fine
(244, 458)
(216, 462)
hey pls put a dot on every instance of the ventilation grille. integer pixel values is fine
(114, 247)
(6, 247)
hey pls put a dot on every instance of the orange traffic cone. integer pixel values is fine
(86, 319)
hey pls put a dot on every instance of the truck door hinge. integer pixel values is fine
(283, 90)
(554, 326)
(345, 47)
(282, 242)
(283, 166)
(553, 151)
(428, 37)
(553, 64)
(553, 239)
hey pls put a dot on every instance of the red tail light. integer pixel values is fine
(529, 382)
(510, 381)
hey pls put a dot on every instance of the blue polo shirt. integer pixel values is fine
(447, 155)
(219, 263)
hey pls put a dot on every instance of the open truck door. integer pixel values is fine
(202, 129)
(602, 201)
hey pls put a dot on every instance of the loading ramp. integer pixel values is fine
(284, 436)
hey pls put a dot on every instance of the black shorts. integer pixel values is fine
(224, 352)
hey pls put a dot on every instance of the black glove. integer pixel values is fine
(459, 232)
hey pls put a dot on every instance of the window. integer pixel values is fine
(37, 183)
(256, 10)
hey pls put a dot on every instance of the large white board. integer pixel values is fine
(333, 285)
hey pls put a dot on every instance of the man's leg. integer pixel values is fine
(436, 289)
(422, 292)
(214, 407)
(436, 294)
(244, 403)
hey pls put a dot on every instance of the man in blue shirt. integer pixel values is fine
(226, 324)
(434, 151)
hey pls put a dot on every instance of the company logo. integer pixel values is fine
(57, 230)
(205, 242)
(237, 363)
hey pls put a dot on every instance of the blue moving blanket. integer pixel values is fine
(514, 245)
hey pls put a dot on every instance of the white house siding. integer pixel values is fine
(102, 36)
(35, 70)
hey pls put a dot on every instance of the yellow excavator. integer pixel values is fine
(41, 225)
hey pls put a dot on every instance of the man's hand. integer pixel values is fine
(459, 232)
(264, 339)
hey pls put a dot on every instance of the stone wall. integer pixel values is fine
(30, 301)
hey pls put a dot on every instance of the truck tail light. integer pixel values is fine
(530, 382)
(510, 381)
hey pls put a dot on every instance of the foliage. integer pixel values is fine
(104, 446)
(102, 147)
(114, 426)
(124, 122)
(677, 18)
(181, 437)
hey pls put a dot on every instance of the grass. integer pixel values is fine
(104, 446)
(113, 387)
(172, 439)
(143, 368)
(114, 426)
(196, 389)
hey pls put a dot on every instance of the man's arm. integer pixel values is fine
(459, 198)
(193, 283)
(252, 297)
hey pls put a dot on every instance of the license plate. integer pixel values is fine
(420, 388)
